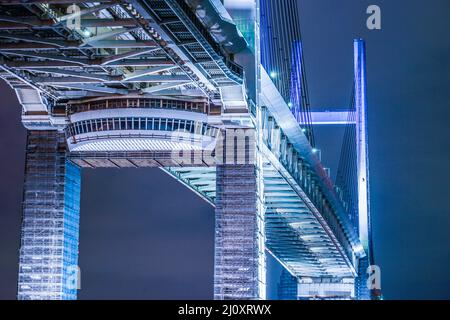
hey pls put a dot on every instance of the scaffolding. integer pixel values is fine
(50, 221)
(236, 272)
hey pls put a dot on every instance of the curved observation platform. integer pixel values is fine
(136, 124)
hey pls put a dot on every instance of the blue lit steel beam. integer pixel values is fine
(80, 79)
(20, 64)
(86, 75)
(296, 83)
(23, 23)
(362, 147)
(34, 43)
(92, 88)
(94, 23)
(192, 30)
(148, 71)
(201, 180)
(179, 91)
(45, 56)
(140, 62)
(174, 53)
(125, 55)
(25, 2)
(165, 86)
(29, 38)
(332, 117)
(31, 21)
(128, 44)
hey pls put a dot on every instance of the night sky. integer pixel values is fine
(145, 236)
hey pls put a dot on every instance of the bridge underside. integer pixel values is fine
(132, 159)
(294, 235)
(119, 86)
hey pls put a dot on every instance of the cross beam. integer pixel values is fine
(27, 22)
(92, 63)
(19, 2)
(332, 117)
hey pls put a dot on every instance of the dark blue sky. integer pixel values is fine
(143, 235)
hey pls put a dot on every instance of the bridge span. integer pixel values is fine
(198, 90)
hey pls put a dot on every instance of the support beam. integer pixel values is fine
(164, 86)
(92, 88)
(362, 148)
(124, 44)
(13, 26)
(51, 208)
(147, 71)
(12, 46)
(19, 2)
(58, 80)
(92, 63)
(54, 57)
(27, 22)
(84, 79)
(180, 91)
(94, 23)
(106, 35)
(86, 75)
(31, 21)
(85, 11)
(332, 117)
(140, 62)
(31, 38)
(297, 93)
(362, 158)
(126, 55)
(101, 44)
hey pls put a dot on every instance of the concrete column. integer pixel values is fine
(50, 222)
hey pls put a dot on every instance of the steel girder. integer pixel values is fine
(117, 39)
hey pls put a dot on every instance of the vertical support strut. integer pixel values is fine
(362, 147)
(50, 222)
(362, 156)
